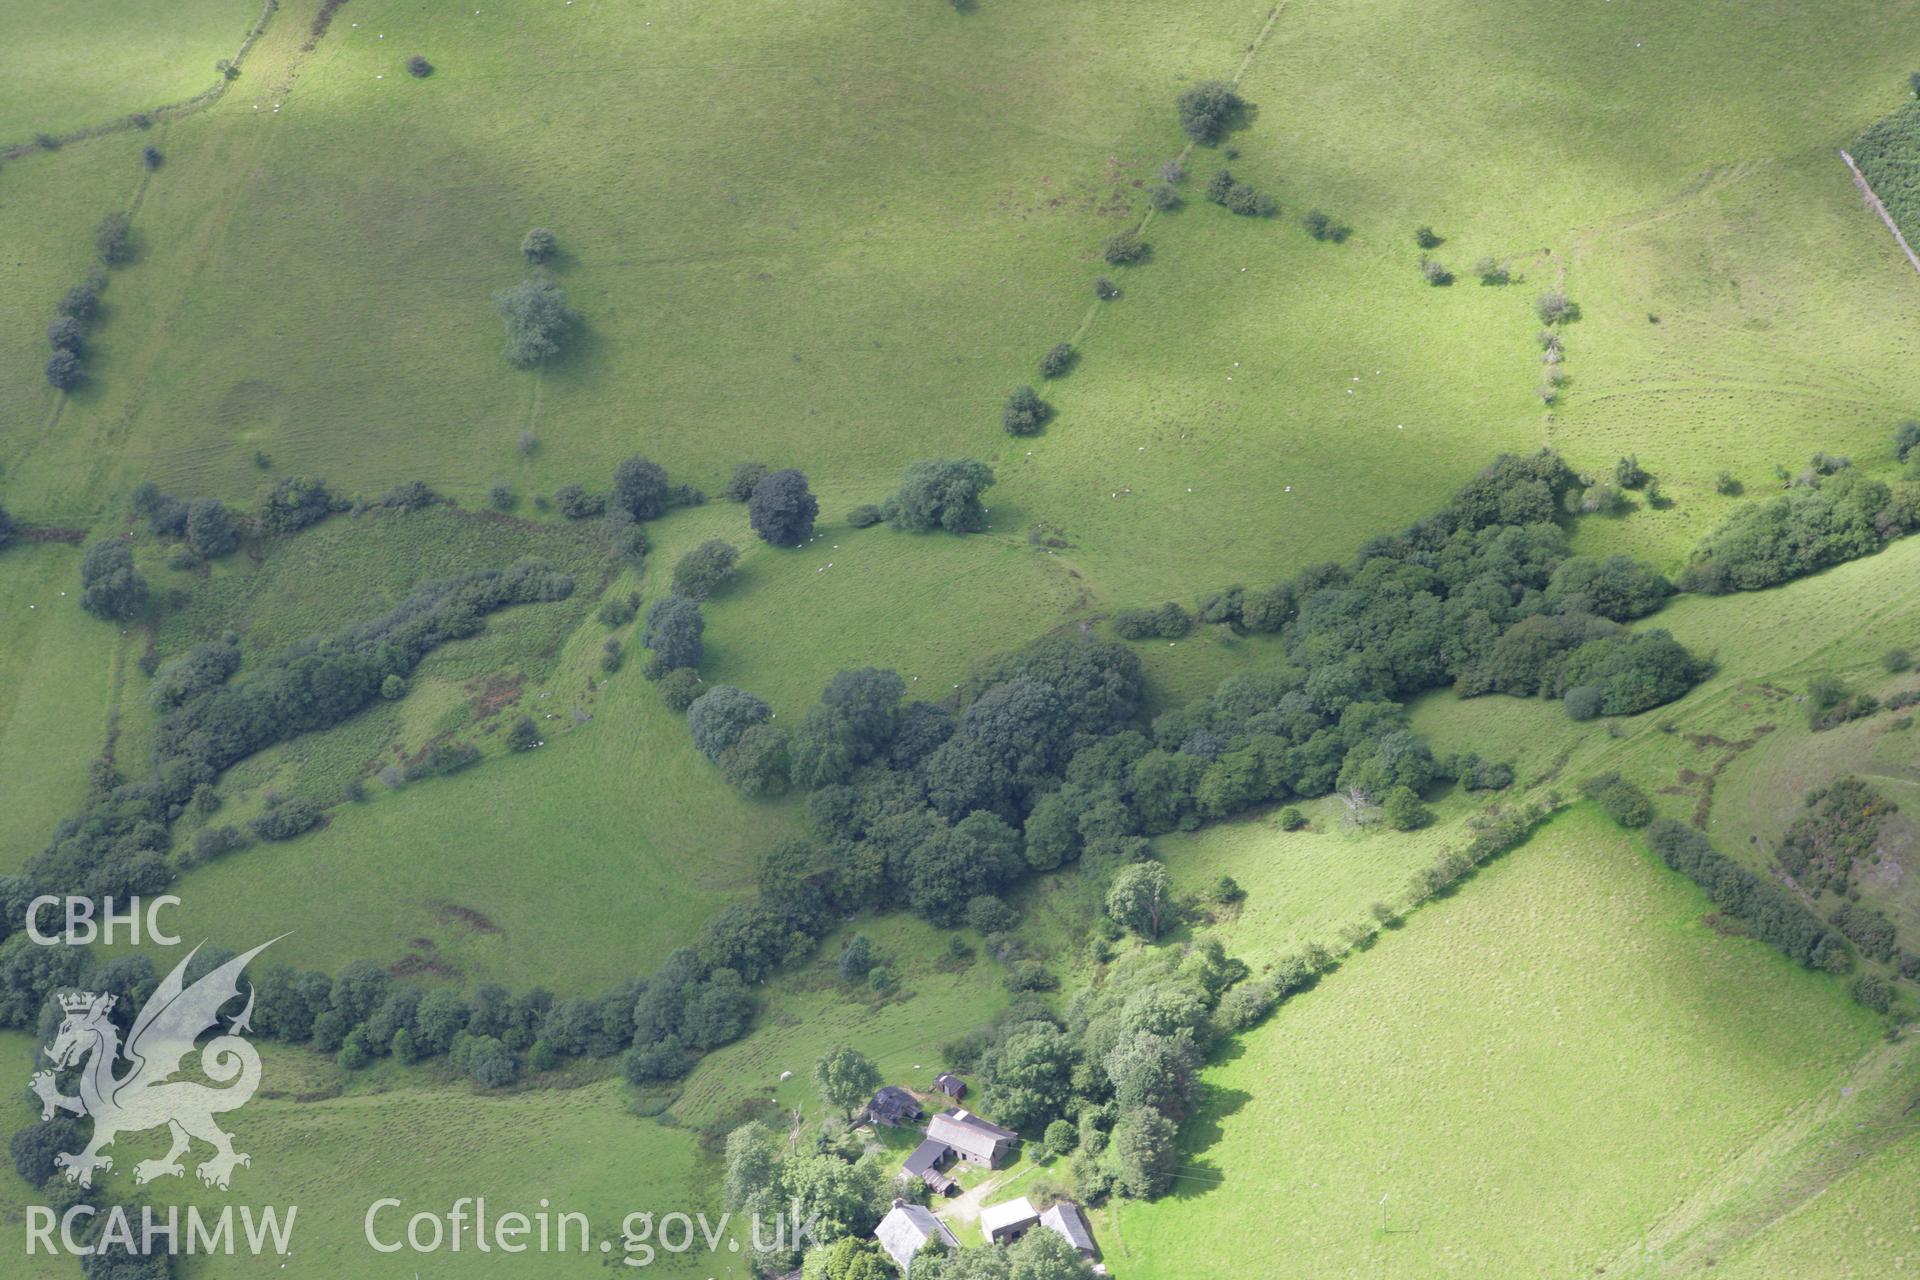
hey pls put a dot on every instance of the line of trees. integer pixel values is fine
(79, 307)
(1483, 596)
(112, 587)
(119, 844)
(535, 312)
(206, 525)
(1827, 517)
(77, 310)
(1771, 914)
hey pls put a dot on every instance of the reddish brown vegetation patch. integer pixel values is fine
(490, 693)
(454, 913)
(422, 967)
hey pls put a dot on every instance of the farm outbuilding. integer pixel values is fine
(1008, 1220)
(925, 1163)
(974, 1140)
(893, 1105)
(909, 1228)
(1065, 1219)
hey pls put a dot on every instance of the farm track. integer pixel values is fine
(169, 111)
(204, 253)
(60, 397)
(1785, 1168)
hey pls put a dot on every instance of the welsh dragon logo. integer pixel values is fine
(141, 1094)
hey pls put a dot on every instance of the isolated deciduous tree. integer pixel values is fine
(1206, 109)
(640, 488)
(1321, 225)
(1123, 247)
(1140, 897)
(1025, 413)
(782, 508)
(673, 633)
(940, 494)
(702, 570)
(1553, 307)
(110, 587)
(538, 245)
(847, 1078)
(537, 318)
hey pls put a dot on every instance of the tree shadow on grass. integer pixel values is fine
(1194, 1176)
(580, 352)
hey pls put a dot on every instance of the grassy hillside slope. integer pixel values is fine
(85, 62)
(1518, 1080)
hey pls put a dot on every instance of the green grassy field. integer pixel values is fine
(813, 1011)
(91, 61)
(1309, 885)
(1598, 1056)
(837, 240)
(1866, 1218)
(427, 1143)
(768, 307)
(52, 659)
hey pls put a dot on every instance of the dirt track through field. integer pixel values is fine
(166, 111)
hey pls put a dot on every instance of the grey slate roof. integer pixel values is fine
(1066, 1219)
(908, 1227)
(968, 1133)
(926, 1157)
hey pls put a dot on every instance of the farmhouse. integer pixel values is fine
(974, 1140)
(893, 1105)
(1008, 1220)
(951, 1085)
(907, 1229)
